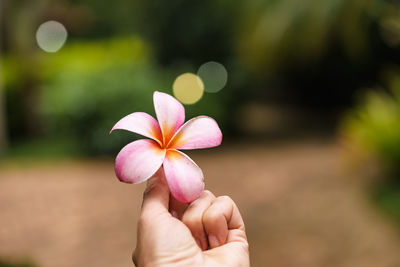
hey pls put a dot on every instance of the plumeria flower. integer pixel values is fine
(139, 160)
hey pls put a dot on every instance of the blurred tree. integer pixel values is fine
(107, 19)
(3, 123)
(314, 53)
(21, 20)
(189, 31)
(308, 53)
(88, 86)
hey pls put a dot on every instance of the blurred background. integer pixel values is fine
(307, 94)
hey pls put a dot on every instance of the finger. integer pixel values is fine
(221, 218)
(176, 208)
(134, 257)
(193, 217)
(156, 195)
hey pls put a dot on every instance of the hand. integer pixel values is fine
(207, 232)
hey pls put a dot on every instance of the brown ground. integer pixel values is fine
(299, 206)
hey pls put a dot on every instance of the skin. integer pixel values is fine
(207, 232)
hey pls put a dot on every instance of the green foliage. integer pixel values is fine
(275, 34)
(88, 87)
(110, 19)
(387, 197)
(375, 128)
(95, 56)
(189, 31)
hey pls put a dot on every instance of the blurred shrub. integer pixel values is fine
(315, 53)
(88, 87)
(189, 31)
(373, 129)
(275, 34)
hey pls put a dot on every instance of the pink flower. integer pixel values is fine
(139, 160)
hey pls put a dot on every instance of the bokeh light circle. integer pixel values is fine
(214, 76)
(51, 36)
(188, 88)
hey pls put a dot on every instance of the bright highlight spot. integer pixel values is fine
(188, 88)
(51, 36)
(214, 76)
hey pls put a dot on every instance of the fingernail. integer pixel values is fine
(212, 239)
(174, 214)
(198, 242)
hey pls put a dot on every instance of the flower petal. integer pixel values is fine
(199, 132)
(184, 177)
(138, 161)
(141, 123)
(170, 114)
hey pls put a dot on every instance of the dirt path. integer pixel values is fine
(300, 209)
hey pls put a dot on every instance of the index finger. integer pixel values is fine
(223, 223)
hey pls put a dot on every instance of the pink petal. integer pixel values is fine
(184, 177)
(170, 114)
(138, 161)
(199, 132)
(141, 123)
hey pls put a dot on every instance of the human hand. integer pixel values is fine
(207, 232)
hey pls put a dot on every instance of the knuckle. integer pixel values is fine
(191, 219)
(207, 193)
(225, 199)
(211, 216)
(205, 196)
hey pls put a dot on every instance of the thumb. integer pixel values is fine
(156, 195)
